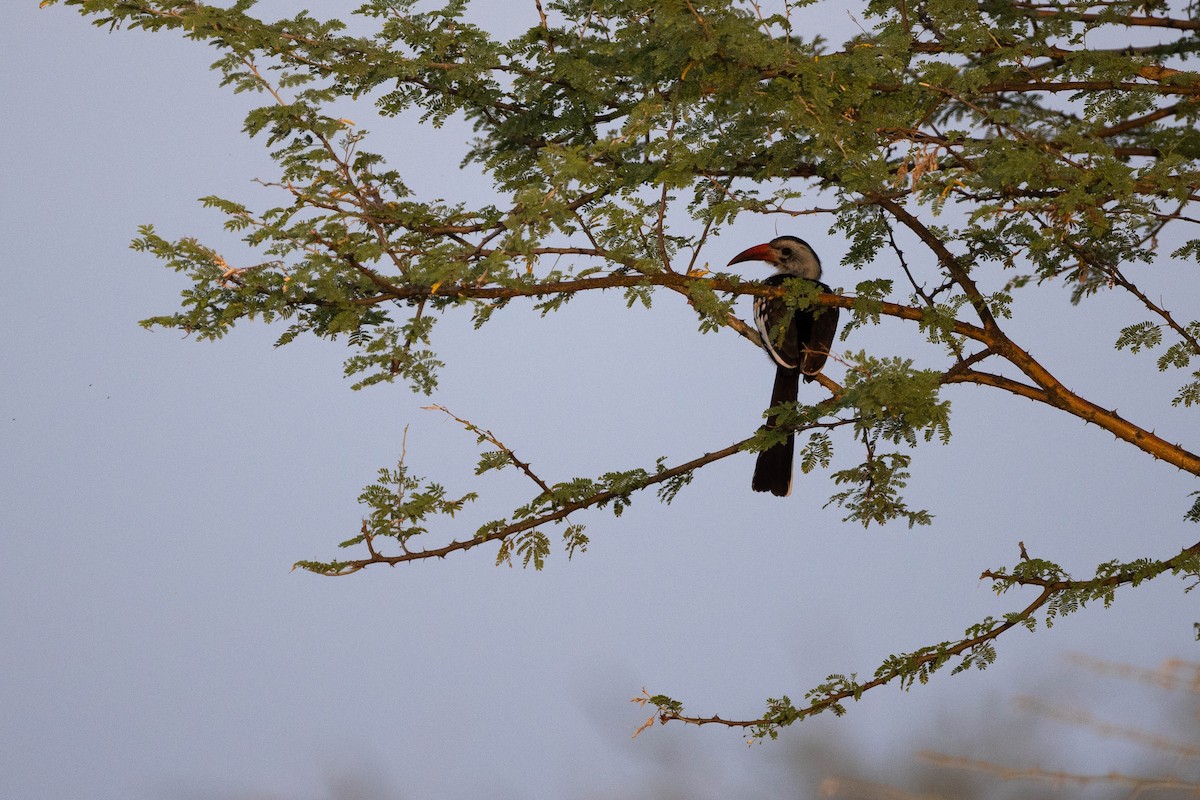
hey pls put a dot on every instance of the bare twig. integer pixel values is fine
(491, 437)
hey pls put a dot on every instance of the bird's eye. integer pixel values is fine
(786, 251)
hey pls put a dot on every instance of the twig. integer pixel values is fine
(934, 657)
(491, 437)
(349, 567)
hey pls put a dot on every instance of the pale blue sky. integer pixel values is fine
(154, 492)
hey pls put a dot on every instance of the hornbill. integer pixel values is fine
(797, 341)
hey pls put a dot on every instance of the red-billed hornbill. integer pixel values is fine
(797, 341)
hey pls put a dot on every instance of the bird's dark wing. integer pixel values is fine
(816, 330)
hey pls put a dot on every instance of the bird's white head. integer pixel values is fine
(791, 256)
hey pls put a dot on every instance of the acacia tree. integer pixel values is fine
(1004, 144)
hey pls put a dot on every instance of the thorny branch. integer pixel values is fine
(1046, 388)
(554, 514)
(934, 657)
(486, 435)
(561, 512)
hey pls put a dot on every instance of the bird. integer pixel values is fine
(797, 341)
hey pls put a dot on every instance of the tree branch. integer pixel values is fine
(348, 567)
(932, 658)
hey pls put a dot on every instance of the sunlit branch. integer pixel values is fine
(1131, 20)
(997, 382)
(1053, 391)
(937, 656)
(931, 657)
(555, 514)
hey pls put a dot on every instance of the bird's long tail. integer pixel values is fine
(773, 470)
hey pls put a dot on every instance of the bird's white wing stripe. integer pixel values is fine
(763, 323)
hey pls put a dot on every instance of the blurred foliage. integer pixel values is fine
(1099, 729)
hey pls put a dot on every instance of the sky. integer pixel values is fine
(154, 492)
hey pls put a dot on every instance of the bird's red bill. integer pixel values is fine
(760, 252)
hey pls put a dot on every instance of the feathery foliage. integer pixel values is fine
(998, 145)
